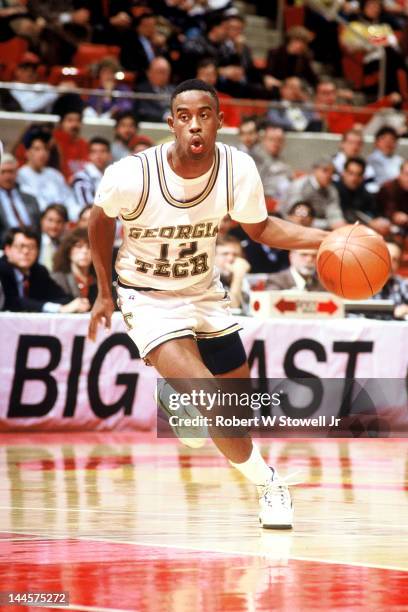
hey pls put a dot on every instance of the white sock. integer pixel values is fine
(254, 468)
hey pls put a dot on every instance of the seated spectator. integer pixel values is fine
(142, 143)
(384, 159)
(157, 82)
(86, 181)
(293, 58)
(72, 149)
(202, 46)
(301, 274)
(232, 82)
(248, 135)
(396, 287)
(235, 45)
(233, 267)
(124, 135)
(25, 100)
(274, 172)
(41, 181)
(83, 217)
(356, 202)
(53, 223)
(294, 115)
(263, 258)
(318, 189)
(207, 71)
(301, 213)
(17, 208)
(28, 286)
(335, 107)
(392, 199)
(73, 265)
(372, 26)
(15, 20)
(106, 105)
(139, 46)
(116, 27)
(64, 25)
(352, 146)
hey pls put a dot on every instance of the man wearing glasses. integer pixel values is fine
(27, 285)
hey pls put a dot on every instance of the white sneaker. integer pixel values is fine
(275, 504)
(200, 432)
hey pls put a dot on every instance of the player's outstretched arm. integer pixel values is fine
(101, 231)
(280, 234)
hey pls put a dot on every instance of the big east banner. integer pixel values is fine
(53, 378)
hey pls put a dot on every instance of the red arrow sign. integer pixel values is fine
(330, 307)
(285, 306)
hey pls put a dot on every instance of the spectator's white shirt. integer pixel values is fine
(386, 167)
(48, 187)
(34, 101)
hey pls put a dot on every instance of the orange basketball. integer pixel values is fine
(353, 262)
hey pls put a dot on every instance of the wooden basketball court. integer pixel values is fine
(125, 522)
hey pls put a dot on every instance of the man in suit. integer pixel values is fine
(301, 274)
(158, 82)
(27, 285)
(141, 45)
(17, 208)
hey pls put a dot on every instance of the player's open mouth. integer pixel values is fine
(196, 145)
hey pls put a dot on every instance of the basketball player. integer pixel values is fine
(170, 199)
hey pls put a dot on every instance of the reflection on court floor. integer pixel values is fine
(126, 522)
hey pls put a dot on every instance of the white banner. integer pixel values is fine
(53, 378)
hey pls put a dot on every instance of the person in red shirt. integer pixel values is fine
(72, 148)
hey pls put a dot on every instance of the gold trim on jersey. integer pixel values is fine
(217, 334)
(145, 191)
(180, 333)
(229, 178)
(194, 201)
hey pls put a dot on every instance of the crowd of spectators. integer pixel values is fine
(48, 181)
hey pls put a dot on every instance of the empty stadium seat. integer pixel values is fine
(89, 53)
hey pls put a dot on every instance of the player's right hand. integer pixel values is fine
(101, 313)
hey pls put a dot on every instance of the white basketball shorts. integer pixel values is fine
(154, 317)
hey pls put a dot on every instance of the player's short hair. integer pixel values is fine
(99, 140)
(195, 85)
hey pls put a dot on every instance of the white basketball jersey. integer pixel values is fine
(170, 224)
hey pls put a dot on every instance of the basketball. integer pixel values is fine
(353, 262)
